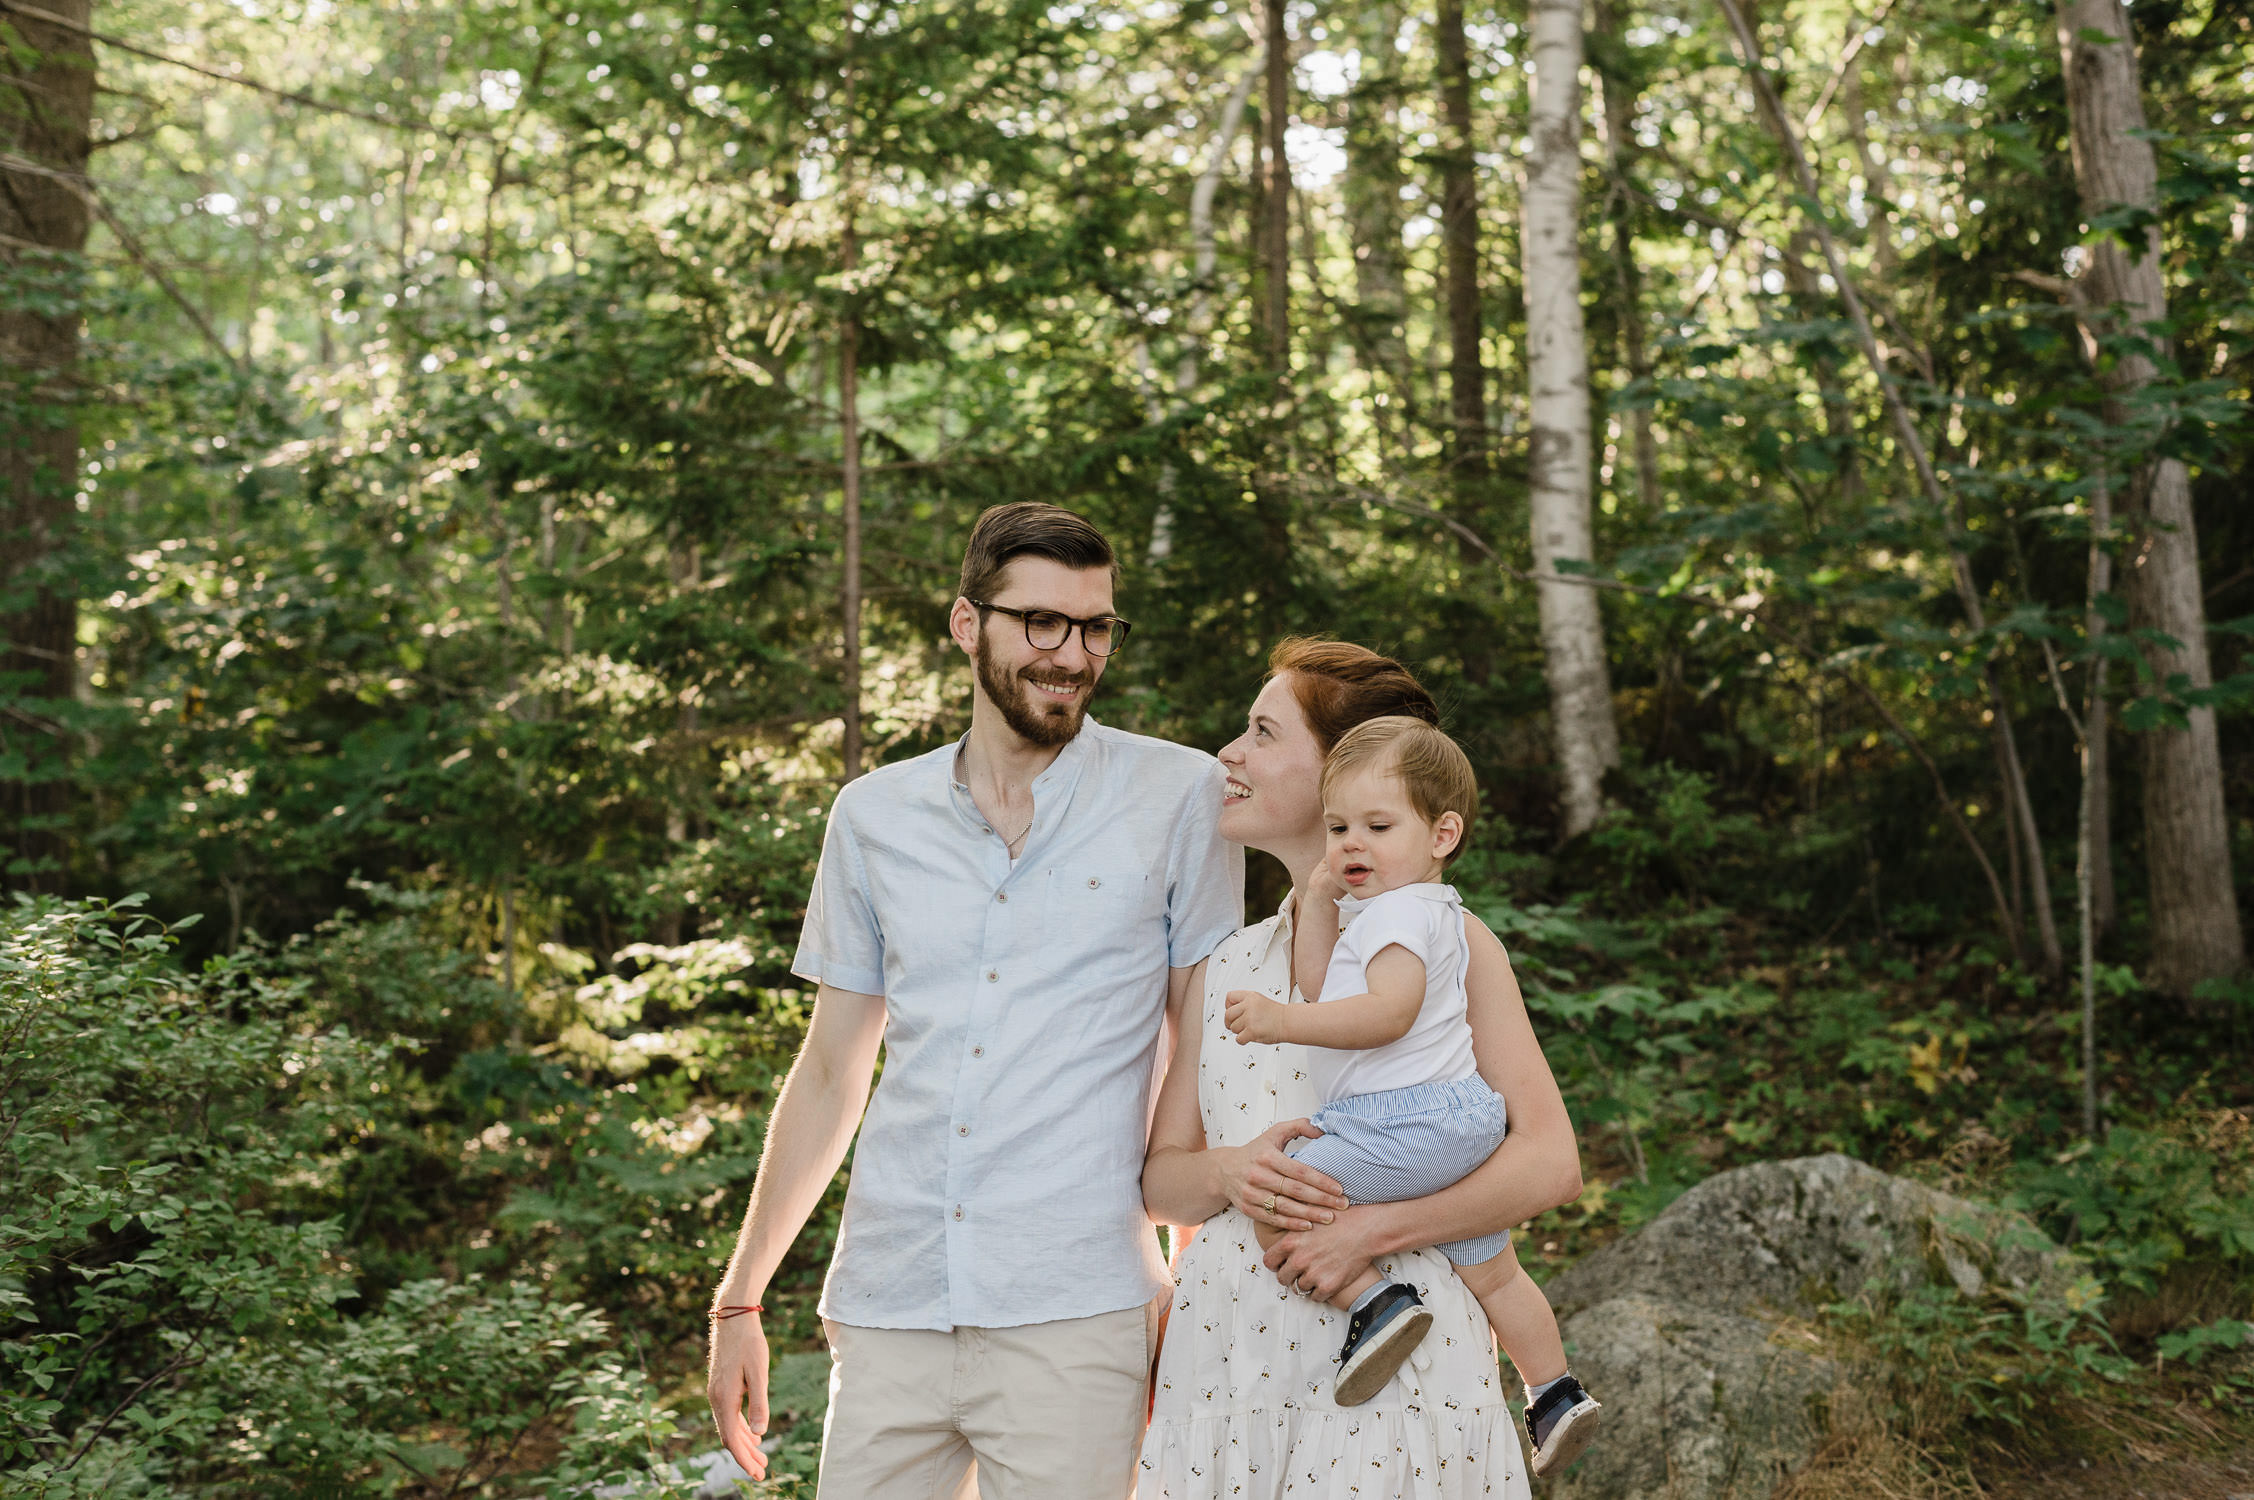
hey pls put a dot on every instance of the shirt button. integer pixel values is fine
(958, 1213)
(978, 1051)
(1093, 882)
(993, 976)
(1002, 896)
(962, 1130)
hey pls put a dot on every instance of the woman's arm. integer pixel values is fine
(1537, 1167)
(1184, 1183)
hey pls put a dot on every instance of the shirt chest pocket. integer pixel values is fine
(1096, 903)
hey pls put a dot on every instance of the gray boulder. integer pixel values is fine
(1694, 1331)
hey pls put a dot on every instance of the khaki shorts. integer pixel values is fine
(1048, 1411)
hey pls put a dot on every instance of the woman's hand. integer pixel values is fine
(1268, 1187)
(1322, 1260)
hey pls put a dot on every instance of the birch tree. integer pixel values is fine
(1587, 738)
(2195, 923)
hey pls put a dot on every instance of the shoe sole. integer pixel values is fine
(1378, 1360)
(1570, 1438)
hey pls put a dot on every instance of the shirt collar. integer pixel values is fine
(1052, 789)
(1064, 768)
(1351, 907)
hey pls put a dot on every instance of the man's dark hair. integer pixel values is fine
(1029, 528)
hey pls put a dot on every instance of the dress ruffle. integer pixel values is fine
(1244, 1410)
(1364, 1451)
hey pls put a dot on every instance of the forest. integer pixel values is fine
(476, 478)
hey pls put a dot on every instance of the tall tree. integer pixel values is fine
(1459, 231)
(1619, 100)
(1275, 226)
(2195, 922)
(1372, 194)
(46, 112)
(1557, 360)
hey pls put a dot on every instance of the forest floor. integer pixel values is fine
(2132, 1476)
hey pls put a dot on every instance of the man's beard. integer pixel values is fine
(1046, 725)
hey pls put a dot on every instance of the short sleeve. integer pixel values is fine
(1404, 919)
(1204, 876)
(842, 943)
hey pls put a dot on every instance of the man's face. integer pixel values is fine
(1041, 695)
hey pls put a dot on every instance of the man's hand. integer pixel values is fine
(736, 1385)
(1254, 1017)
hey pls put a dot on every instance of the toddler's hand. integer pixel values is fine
(1253, 1017)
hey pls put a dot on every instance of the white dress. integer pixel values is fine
(1243, 1408)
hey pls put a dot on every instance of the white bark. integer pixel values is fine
(2195, 921)
(1587, 738)
(1198, 327)
(1201, 224)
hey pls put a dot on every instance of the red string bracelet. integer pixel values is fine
(724, 1313)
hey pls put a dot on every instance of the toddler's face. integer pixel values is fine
(1374, 839)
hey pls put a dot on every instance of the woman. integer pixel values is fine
(1242, 1406)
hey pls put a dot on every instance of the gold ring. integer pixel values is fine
(1271, 1204)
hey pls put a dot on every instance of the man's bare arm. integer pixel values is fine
(807, 1136)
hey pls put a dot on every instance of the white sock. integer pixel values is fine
(1535, 1393)
(1366, 1298)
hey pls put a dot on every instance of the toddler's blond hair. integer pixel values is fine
(1432, 768)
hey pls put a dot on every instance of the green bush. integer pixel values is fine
(187, 1313)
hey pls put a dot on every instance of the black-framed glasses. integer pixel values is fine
(1046, 629)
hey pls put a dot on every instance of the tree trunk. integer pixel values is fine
(1809, 301)
(1459, 232)
(1275, 227)
(1372, 191)
(1197, 327)
(2092, 850)
(44, 123)
(2195, 921)
(1619, 118)
(849, 590)
(685, 564)
(1204, 252)
(849, 467)
(1587, 738)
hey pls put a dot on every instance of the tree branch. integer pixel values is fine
(15, 7)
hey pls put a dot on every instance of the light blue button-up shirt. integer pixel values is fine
(998, 1179)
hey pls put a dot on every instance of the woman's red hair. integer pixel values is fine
(1339, 685)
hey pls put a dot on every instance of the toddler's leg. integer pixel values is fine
(1520, 1315)
(1345, 1300)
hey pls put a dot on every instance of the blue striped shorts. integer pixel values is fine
(1405, 1143)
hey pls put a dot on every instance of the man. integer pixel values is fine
(1014, 917)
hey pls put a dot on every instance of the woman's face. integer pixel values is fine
(1275, 773)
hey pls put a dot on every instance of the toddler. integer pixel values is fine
(1405, 1112)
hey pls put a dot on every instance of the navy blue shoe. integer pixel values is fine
(1378, 1339)
(1561, 1424)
